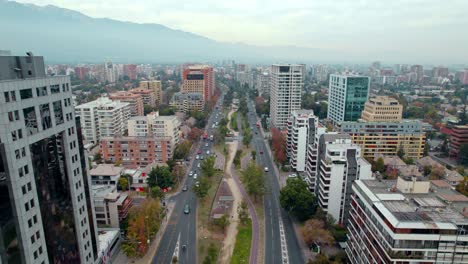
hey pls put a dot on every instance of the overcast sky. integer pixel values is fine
(403, 28)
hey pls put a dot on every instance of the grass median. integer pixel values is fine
(241, 252)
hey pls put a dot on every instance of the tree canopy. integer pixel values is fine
(160, 176)
(297, 199)
(207, 166)
(253, 179)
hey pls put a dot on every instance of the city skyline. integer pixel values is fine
(393, 31)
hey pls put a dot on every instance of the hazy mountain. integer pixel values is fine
(63, 35)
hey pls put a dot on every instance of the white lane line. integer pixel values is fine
(284, 246)
(176, 250)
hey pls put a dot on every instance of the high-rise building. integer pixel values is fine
(199, 79)
(147, 96)
(186, 102)
(129, 70)
(263, 84)
(286, 84)
(110, 72)
(103, 118)
(382, 109)
(156, 87)
(301, 126)
(81, 72)
(135, 101)
(408, 220)
(339, 165)
(386, 138)
(347, 95)
(418, 70)
(463, 76)
(458, 138)
(47, 209)
(440, 71)
(311, 167)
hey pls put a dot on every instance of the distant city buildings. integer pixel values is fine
(81, 72)
(156, 87)
(130, 70)
(147, 95)
(263, 84)
(286, 84)
(47, 209)
(347, 95)
(135, 101)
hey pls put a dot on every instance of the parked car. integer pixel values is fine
(186, 209)
(294, 175)
(266, 169)
(190, 173)
(197, 157)
(199, 151)
(185, 188)
(195, 176)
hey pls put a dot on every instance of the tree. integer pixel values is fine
(427, 170)
(212, 255)
(123, 182)
(279, 145)
(203, 187)
(156, 193)
(297, 199)
(98, 157)
(182, 150)
(247, 137)
(253, 179)
(401, 152)
(195, 133)
(437, 173)
(462, 187)
(160, 176)
(207, 166)
(254, 154)
(380, 165)
(243, 212)
(314, 232)
(147, 109)
(463, 155)
(222, 222)
(237, 158)
(320, 259)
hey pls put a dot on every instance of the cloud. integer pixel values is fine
(358, 26)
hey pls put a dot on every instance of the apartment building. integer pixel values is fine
(136, 152)
(263, 84)
(199, 79)
(301, 126)
(311, 167)
(106, 174)
(147, 95)
(347, 94)
(156, 87)
(339, 165)
(103, 118)
(382, 109)
(186, 102)
(139, 126)
(111, 207)
(286, 84)
(47, 210)
(135, 101)
(386, 138)
(408, 220)
(458, 138)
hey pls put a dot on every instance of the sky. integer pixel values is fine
(415, 28)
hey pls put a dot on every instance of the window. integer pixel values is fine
(26, 207)
(23, 152)
(45, 116)
(55, 88)
(30, 120)
(30, 223)
(17, 154)
(41, 91)
(7, 97)
(20, 172)
(26, 94)
(23, 189)
(58, 113)
(13, 96)
(35, 255)
(29, 186)
(33, 239)
(26, 169)
(35, 219)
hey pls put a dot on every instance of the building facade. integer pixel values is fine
(347, 95)
(103, 118)
(386, 138)
(111, 207)
(382, 109)
(135, 101)
(186, 102)
(147, 95)
(406, 221)
(340, 164)
(458, 138)
(286, 84)
(47, 212)
(136, 152)
(199, 79)
(263, 84)
(156, 87)
(301, 126)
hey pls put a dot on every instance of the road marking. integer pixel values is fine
(284, 245)
(176, 250)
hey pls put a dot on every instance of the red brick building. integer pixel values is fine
(458, 137)
(135, 101)
(199, 79)
(81, 72)
(130, 70)
(135, 152)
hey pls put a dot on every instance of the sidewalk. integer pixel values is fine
(121, 258)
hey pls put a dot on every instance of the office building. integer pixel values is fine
(286, 84)
(340, 164)
(408, 220)
(129, 70)
(382, 109)
(458, 138)
(156, 87)
(263, 84)
(301, 126)
(347, 95)
(386, 138)
(81, 72)
(147, 95)
(111, 74)
(111, 207)
(199, 79)
(136, 152)
(47, 209)
(135, 101)
(186, 102)
(103, 118)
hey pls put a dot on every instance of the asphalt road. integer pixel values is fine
(281, 245)
(185, 224)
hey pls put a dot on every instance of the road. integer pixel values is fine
(181, 224)
(281, 245)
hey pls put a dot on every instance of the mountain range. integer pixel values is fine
(67, 36)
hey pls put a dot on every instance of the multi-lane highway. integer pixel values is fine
(182, 227)
(281, 245)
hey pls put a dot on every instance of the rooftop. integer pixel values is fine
(106, 170)
(439, 206)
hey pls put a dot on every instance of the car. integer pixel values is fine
(190, 173)
(294, 175)
(198, 165)
(207, 145)
(197, 184)
(195, 176)
(261, 151)
(201, 157)
(197, 157)
(186, 209)
(256, 133)
(185, 188)
(207, 152)
(266, 169)
(199, 151)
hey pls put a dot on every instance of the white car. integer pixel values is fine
(292, 175)
(207, 152)
(195, 176)
(207, 145)
(266, 169)
(198, 165)
(190, 173)
(197, 157)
